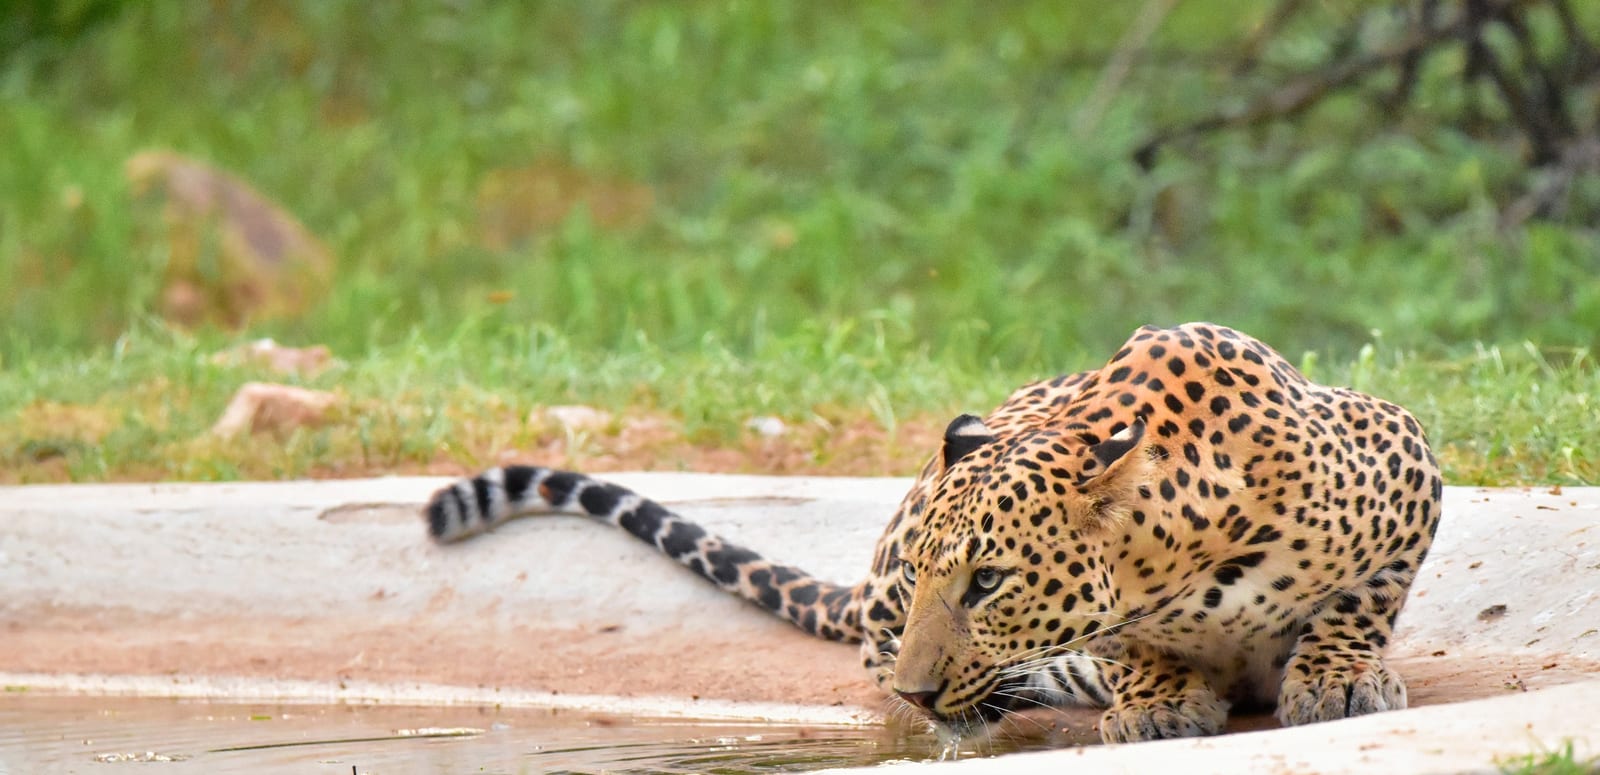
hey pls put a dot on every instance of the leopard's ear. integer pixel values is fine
(1113, 450)
(964, 436)
(1113, 472)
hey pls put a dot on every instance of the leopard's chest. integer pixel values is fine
(1231, 608)
(1239, 639)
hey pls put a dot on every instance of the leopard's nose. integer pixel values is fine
(923, 700)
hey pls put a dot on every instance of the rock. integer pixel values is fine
(233, 254)
(570, 418)
(767, 425)
(273, 356)
(263, 407)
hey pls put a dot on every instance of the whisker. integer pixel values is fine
(988, 732)
(1033, 665)
(1031, 655)
(1029, 664)
(1009, 714)
(1025, 698)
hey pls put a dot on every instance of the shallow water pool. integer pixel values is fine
(107, 736)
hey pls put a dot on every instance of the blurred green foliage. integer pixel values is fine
(716, 210)
(43, 25)
(906, 164)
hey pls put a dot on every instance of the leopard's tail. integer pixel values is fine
(471, 506)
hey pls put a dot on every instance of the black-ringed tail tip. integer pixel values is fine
(472, 506)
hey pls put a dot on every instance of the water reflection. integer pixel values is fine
(64, 734)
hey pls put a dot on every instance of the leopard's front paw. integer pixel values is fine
(1194, 714)
(1354, 689)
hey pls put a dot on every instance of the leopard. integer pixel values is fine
(1193, 528)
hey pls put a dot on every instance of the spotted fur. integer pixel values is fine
(1192, 527)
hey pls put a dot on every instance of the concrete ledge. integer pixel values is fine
(1468, 737)
(359, 693)
(332, 584)
(334, 581)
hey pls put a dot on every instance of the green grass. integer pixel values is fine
(860, 210)
(1562, 761)
(141, 409)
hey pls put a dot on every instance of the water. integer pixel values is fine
(111, 736)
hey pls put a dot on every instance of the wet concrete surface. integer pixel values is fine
(61, 735)
(332, 583)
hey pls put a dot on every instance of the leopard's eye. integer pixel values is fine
(908, 572)
(987, 579)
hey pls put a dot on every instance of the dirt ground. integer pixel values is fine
(844, 446)
(859, 447)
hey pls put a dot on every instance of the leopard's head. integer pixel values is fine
(1009, 567)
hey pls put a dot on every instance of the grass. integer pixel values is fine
(141, 409)
(1562, 761)
(860, 217)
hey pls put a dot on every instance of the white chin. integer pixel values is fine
(952, 734)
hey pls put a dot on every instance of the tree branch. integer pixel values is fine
(1300, 94)
(1116, 71)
